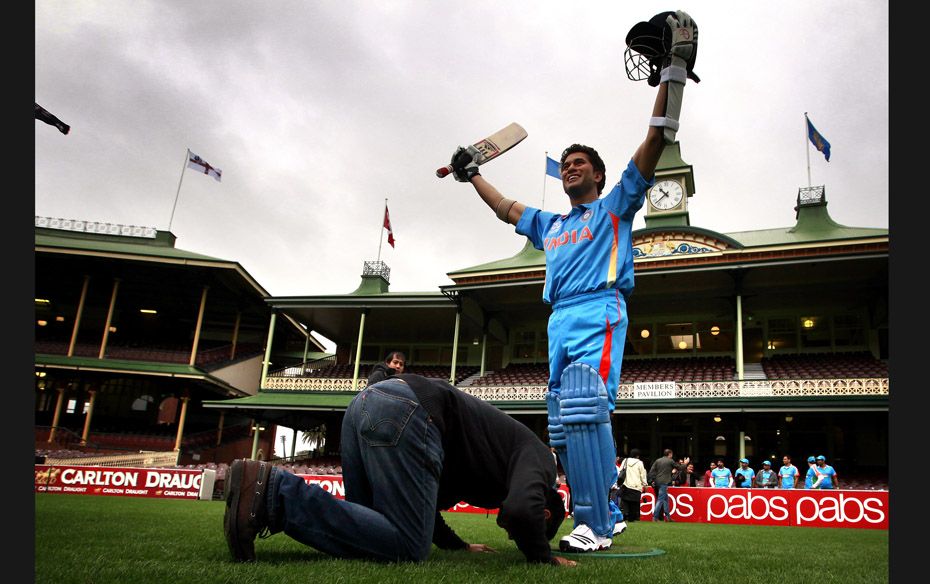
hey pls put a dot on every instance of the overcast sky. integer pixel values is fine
(317, 111)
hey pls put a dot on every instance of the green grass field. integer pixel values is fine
(115, 540)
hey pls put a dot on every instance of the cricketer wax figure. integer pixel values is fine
(589, 276)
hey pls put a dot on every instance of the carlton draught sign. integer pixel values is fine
(126, 482)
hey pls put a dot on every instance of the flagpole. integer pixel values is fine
(545, 174)
(381, 232)
(807, 141)
(187, 156)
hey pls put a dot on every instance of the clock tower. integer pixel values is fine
(667, 200)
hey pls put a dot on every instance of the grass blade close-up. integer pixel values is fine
(124, 540)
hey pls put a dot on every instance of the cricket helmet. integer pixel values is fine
(648, 45)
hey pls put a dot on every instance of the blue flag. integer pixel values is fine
(819, 142)
(552, 167)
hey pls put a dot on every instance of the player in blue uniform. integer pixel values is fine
(744, 475)
(766, 478)
(721, 476)
(825, 475)
(788, 473)
(811, 475)
(589, 275)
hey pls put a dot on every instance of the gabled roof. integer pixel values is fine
(97, 243)
(134, 368)
(159, 249)
(154, 249)
(286, 400)
(814, 226)
(527, 259)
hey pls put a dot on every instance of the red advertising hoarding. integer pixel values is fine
(794, 507)
(124, 482)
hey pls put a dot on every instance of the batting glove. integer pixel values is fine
(464, 165)
(684, 34)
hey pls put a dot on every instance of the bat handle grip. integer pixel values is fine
(444, 171)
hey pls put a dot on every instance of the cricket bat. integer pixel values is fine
(493, 146)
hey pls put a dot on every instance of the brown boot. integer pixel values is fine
(246, 508)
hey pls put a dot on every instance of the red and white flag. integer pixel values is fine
(202, 166)
(387, 225)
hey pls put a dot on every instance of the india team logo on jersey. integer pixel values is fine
(587, 215)
(572, 237)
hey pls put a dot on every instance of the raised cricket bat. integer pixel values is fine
(493, 146)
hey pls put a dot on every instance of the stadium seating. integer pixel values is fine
(346, 370)
(824, 366)
(661, 369)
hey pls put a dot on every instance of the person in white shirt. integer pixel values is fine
(631, 490)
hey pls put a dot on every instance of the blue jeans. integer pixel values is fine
(391, 461)
(662, 508)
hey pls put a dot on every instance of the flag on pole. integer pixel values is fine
(44, 115)
(202, 166)
(819, 142)
(387, 225)
(552, 168)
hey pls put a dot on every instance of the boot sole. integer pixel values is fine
(233, 489)
(565, 546)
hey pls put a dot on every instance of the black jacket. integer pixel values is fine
(380, 372)
(490, 461)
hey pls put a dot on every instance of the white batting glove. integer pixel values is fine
(684, 35)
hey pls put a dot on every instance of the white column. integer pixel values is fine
(358, 349)
(455, 345)
(77, 317)
(268, 349)
(203, 305)
(106, 327)
(484, 349)
(739, 337)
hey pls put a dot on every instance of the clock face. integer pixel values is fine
(666, 194)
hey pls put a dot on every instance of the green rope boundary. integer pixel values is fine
(632, 553)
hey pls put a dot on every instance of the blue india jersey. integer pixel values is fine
(787, 474)
(810, 477)
(590, 248)
(721, 477)
(828, 473)
(743, 477)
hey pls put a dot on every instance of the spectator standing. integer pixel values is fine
(708, 477)
(721, 476)
(811, 475)
(826, 475)
(766, 478)
(788, 474)
(662, 469)
(744, 475)
(631, 490)
(394, 364)
(687, 478)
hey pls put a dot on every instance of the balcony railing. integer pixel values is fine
(682, 390)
